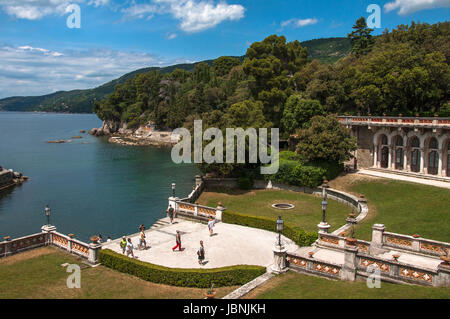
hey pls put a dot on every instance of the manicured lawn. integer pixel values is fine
(306, 214)
(38, 274)
(293, 285)
(405, 208)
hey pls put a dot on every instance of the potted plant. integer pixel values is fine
(350, 239)
(210, 293)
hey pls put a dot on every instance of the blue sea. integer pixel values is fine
(92, 186)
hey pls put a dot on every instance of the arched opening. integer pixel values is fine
(398, 142)
(384, 151)
(433, 157)
(415, 154)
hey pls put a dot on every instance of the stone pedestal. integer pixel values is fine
(173, 202)
(48, 229)
(279, 260)
(198, 180)
(323, 227)
(93, 252)
(376, 245)
(348, 271)
(219, 210)
(443, 277)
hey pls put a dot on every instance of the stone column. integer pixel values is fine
(219, 210)
(390, 157)
(173, 202)
(48, 229)
(376, 245)
(279, 260)
(422, 161)
(93, 253)
(440, 163)
(375, 156)
(7, 244)
(348, 271)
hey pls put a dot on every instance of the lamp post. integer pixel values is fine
(173, 189)
(279, 252)
(280, 223)
(47, 211)
(324, 226)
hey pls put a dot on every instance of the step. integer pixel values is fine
(410, 174)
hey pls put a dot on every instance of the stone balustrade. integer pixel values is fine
(311, 265)
(425, 122)
(50, 237)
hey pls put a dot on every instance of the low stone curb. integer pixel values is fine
(245, 289)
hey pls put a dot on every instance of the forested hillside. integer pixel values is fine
(82, 101)
(405, 71)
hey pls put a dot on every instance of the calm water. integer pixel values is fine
(91, 186)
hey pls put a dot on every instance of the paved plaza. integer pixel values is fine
(230, 245)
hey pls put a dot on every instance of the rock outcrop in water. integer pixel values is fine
(10, 178)
(144, 135)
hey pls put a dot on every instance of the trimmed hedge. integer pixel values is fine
(199, 278)
(298, 235)
(245, 182)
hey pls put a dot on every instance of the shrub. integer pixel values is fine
(199, 278)
(296, 234)
(245, 182)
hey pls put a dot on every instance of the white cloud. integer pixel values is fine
(194, 15)
(28, 70)
(37, 9)
(406, 7)
(199, 16)
(140, 11)
(299, 22)
(172, 36)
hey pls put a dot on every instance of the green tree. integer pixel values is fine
(361, 38)
(298, 112)
(224, 64)
(326, 140)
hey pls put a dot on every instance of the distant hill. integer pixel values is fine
(327, 50)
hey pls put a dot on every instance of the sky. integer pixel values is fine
(42, 52)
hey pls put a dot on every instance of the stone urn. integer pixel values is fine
(446, 260)
(71, 235)
(94, 239)
(311, 254)
(210, 294)
(351, 241)
(416, 235)
(396, 256)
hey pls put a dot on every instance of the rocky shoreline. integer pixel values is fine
(143, 136)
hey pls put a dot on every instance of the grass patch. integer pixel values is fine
(38, 274)
(405, 208)
(306, 214)
(293, 285)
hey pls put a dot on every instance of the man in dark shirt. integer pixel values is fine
(170, 212)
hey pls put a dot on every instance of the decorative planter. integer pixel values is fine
(210, 295)
(7, 238)
(350, 241)
(311, 254)
(446, 260)
(416, 236)
(95, 239)
(395, 256)
(71, 235)
(352, 215)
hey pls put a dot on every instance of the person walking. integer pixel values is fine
(142, 241)
(123, 244)
(178, 241)
(211, 223)
(130, 248)
(201, 253)
(170, 212)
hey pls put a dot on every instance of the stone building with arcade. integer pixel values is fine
(412, 145)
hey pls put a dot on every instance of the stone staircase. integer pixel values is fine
(410, 174)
